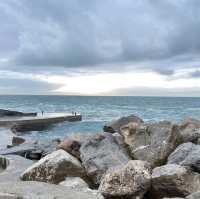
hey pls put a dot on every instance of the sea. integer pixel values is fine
(97, 111)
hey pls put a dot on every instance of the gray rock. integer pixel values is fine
(186, 154)
(23, 127)
(131, 181)
(9, 196)
(33, 151)
(21, 150)
(195, 195)
(120, 140)
(173, 198)
(174, 181)
(14, 166)
(101, 152)
(74, 183)
(53, 168)
(40, 190)
(9, 113)
(48, 147)
(151, 142)
(6, 138)
(17, 141)
(71, 146)
(190, 130)
(78, 184)
(3, 162)
(115, 125)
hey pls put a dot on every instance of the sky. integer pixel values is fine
(96, 47)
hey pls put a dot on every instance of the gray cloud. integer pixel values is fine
(78, 33)
(146, 91)
(195, 74)
(25, 86)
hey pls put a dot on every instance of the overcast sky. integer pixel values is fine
(96, 47)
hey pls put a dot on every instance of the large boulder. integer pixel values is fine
(101, 152)
(130, 181)
(174, 181)
(115, 125)
(190, 130)
(186, 154)
(53, 168)
(41, 190)
(151, 142)
(71, 146)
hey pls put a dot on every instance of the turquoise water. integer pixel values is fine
(96, 111)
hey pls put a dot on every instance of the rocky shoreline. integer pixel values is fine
(130, 159)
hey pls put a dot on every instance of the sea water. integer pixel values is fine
(96, 111)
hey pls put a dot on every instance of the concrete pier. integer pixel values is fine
(37, 122)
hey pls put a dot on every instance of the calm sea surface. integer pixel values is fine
(96, 111)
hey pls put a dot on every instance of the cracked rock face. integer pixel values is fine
(131, 180)
(186, 154)
(53, 168)
(174, 181)
(100, 153)
(151, 142)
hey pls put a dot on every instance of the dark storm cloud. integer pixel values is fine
(77, 33)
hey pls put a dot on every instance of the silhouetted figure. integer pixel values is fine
(75, 113)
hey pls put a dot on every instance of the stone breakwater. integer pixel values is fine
(130, 159)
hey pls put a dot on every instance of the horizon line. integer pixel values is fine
(78, 95)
